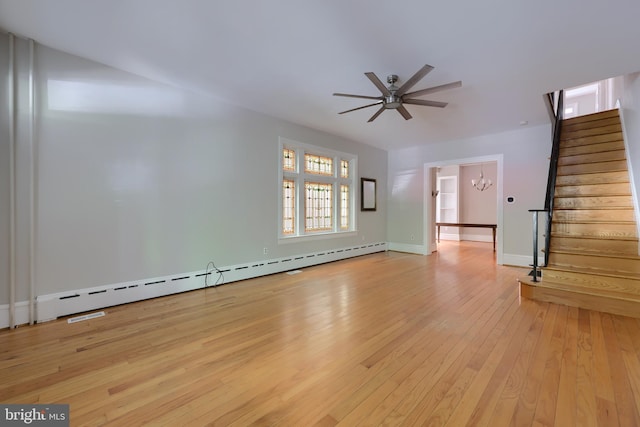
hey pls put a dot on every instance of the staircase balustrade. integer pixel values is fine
(555, 104)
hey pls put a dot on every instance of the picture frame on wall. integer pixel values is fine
(367, 194)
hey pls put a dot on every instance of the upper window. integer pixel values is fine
(317, 195)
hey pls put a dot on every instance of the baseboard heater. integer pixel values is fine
(52, 306)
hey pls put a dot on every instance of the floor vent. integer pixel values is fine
(85, 317)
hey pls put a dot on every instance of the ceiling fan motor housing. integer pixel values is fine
(392, 101)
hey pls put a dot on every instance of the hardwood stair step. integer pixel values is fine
(590, 117)
(587, 245)
(596, 263)
(597, 122)
(591, 139)
(592, 157)
(618, 283)
(613, 189)
(592, 148)
(620, 231)
(576, 296)
(593, 202)
(575, 287)
(599, 167)
(593, 178)
(567, 134)
(594, 215)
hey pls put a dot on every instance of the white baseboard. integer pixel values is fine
(521, 260)
(21, 313)
(52, 306)
(477, 237)
(468, 237)
(447, 236)
(412, 249)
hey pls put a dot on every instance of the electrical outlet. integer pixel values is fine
(413, 237)
(265, 251)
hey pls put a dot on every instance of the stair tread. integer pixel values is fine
(591, 157)
(590, 178)
(585, 141)
(595, 208)
(592, 116)
(592, 221)
(552, 284)
(593, 271)
(593, 236)
(592, 195)
(595, 254)
(593, 149)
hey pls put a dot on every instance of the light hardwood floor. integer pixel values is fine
(383, 339)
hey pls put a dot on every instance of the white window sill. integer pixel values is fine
(316, 236)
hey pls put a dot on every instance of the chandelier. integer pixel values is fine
(482, 183)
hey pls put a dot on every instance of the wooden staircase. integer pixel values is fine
(593, 254)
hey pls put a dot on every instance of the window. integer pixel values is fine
(317, 195)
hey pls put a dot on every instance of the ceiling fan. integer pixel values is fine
(394, 97)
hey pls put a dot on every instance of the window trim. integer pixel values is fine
(300, 177)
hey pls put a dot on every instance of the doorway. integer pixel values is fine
(450, 197)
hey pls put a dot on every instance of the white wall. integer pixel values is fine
(136, 179)
(631, 116)
(478, 207)
(4, 173)
(525, 152)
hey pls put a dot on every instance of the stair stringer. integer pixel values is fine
(634, 192)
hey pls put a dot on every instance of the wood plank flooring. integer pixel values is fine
(384, 339)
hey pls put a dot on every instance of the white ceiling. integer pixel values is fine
(285, 58)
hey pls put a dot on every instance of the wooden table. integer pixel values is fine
(463, 224)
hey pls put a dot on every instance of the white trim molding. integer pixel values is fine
(52, 306)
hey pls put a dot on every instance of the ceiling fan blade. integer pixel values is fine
(403, 111)
(414, 79)
(425, 102)
(435, 89)
(376, 114)
(376, 81)
(348, 95)
(360, 108)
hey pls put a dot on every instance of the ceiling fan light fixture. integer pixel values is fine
(392, 101)
(393, 97)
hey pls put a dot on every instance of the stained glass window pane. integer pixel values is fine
(288, 207)
(319, 165)
(318, 206)
(344, 207)
(288, 160)
(344, 168)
